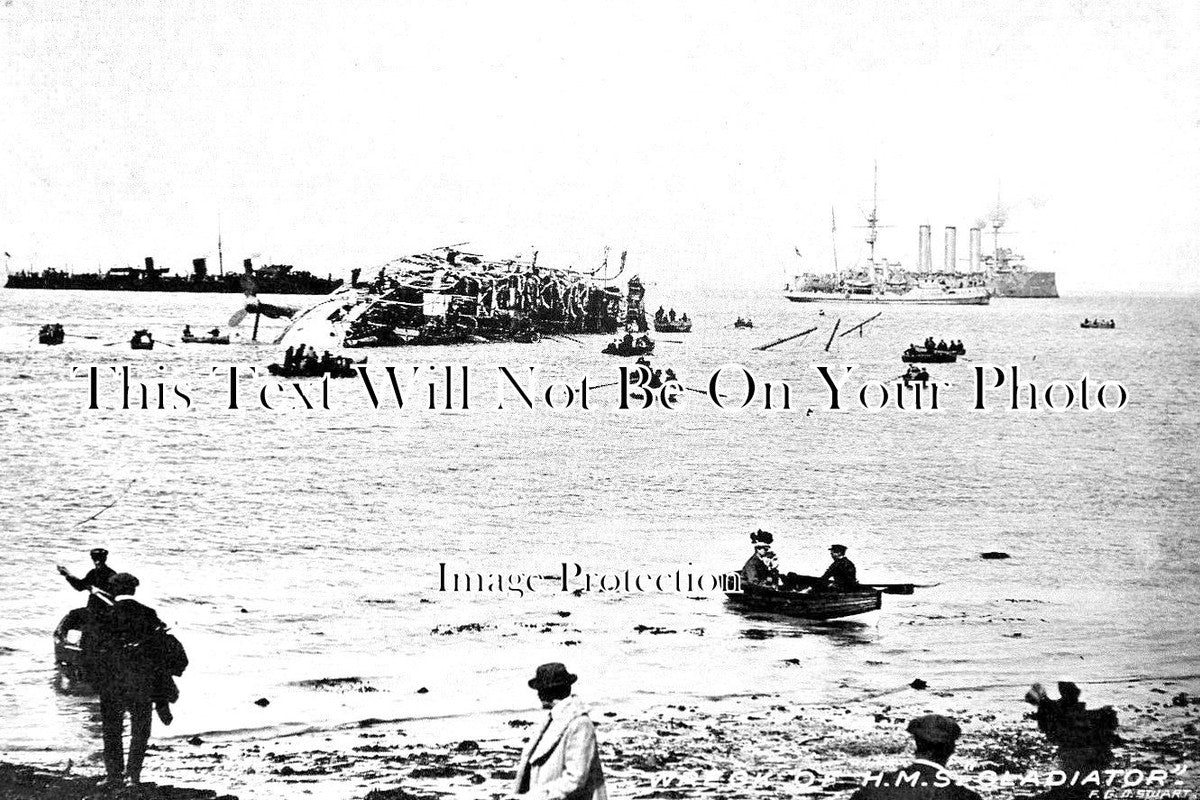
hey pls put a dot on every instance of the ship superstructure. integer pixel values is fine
(449, 296)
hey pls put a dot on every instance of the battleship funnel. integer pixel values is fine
(924, 256)
(976, 247)
(951, 255)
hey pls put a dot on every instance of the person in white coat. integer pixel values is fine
(562, 759)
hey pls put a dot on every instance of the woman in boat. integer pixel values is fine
(761, 569)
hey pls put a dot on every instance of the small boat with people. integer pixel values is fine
(51, 334)
(629, 346)
(212, 337)
(934, 352)
(915, 374)
(743, 323)
(303, 362)
(807, 605)
(1098, 323)
(142, 340)
(667, 322)
(657, 377)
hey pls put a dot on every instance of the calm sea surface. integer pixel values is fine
(289, 546)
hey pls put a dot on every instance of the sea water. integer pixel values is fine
(288, 545)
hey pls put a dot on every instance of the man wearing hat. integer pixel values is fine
(97, 578)
(926, 777)
(1085, 737)
(127, 678)
(842, 574)
(562, 759)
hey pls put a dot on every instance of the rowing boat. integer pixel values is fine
(807, 605)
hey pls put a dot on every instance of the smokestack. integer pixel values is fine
(248, 266)
(976, 246)
(149, 263)
(924, 256)
(199, 268)
(951, 250)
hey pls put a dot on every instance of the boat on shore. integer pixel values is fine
(68, 653)
(807, 605)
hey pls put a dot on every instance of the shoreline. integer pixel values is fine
(754, 746)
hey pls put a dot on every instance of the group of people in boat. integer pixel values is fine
(630, 345)
(762, 569)
(142, 340)
(187, 333)
(303, 359)
(51, 334)
(743, 323)
(915, 374)
(1099, 323)
(657, 376)
(668, 316)
(930, 346)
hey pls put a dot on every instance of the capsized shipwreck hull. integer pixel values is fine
(450, 297)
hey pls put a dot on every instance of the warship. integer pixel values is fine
(1007, 275)
(882, 281)
(449, 296)
(273, 279)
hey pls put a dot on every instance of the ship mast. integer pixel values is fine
(220, 256)
(833, 218)
(997, 223)
(873, 218)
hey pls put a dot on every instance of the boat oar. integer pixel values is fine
(80, 336)
(899, 588)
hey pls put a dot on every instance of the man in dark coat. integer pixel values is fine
(926, 777)
(842, 573)
(125, 673)
(1085, 737)
(97, 578)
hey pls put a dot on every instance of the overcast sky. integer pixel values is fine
(707, 139)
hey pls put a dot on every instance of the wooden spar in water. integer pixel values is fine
(859, 326)
(786, 339)
(835, 329)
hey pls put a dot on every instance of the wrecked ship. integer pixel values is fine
(449, 296)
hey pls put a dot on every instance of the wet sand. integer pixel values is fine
(754, 746)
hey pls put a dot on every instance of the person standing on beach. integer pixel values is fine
(926, 777)
(98, 577)
(1085, 737)
(125, 674)
(562, 759)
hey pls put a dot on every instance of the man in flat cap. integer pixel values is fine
(926, 777)
(126, 676)
(562, 759)
(842, 575)
(97, 578)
